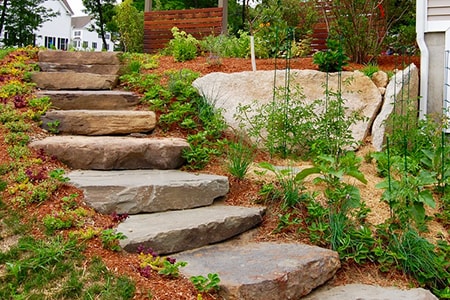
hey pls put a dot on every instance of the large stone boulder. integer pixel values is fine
(401, 97)
(369, 292)
(119, 153)
(138, 191)
(269, 271)
(228, 91)
(100, 122)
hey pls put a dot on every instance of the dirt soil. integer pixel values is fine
(244, 192)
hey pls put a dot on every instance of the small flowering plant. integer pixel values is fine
(151, 261)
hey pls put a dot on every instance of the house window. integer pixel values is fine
(62, 43)
(76, 44)
(107, 36)
(50, 42)
(77, 33)
(85, 44)
(94, 45)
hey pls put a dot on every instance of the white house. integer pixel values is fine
(84, 39)
(56, 33)
(433, 37)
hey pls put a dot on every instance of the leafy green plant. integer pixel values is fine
(149, 260)
(333, 59)
(290, 190)
(58, 174)
(53, 127)
(206, 284)
(110, 239)
(240, 156)
(286, 220)
(183, 46)
(57, 221)
(407, 198)
(370, 69)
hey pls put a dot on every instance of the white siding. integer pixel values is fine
(57, 29)
(438, 15)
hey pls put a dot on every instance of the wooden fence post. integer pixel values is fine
(224, 5)
(148, 5)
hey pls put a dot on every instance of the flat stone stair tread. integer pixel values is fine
(369, 292)
(100, 122)
(137, 191)
(80, 57)
(267, 270)
(109, 153)
(175, 231)
(74, 81)
(96, 100)
(84, 68)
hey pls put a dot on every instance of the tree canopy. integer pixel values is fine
(20, 19)
(103, 12)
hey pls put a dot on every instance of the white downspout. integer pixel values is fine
(421, 18)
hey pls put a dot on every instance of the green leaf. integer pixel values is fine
(306, 172)
(426, 197)
(357, 175)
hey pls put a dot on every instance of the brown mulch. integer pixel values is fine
(244, 192)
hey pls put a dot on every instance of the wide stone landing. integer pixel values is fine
(100, 122)
(268, 271)
(175, 231)
(74, 81)
(369, 292)
(109, 153)
(96, 100)
(136, 191)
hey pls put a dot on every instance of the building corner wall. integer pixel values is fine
(436, 46)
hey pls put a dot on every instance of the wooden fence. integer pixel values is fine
(197, 22)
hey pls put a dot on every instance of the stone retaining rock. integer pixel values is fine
(175, 231)
(402, 94)
(80, 57)
(137, 191)
(227, 91)
(269, 271)
(100, 122)
(109, 153)
(369, 292)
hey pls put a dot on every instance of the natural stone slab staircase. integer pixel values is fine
(138, 191)
(100, 122)
(171, 211)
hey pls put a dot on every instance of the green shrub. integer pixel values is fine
(331, 60)
(183, 46)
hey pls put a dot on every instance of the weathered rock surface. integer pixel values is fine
(227, 91)
(74, 81)
(95, 69)
(97, 100)
(268, 271)
(369, 292)
(108, 153)
(380, 78)
(79, 57)
(175, 231)
(100, 122)
(137, 191)
(402, 95)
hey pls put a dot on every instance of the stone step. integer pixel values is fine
(82, 62)
(108, 153)
(269, 271)
(99, 122)
(137, 191)
(369, 292)
(176, 231)
(74, 81)
(97, 100)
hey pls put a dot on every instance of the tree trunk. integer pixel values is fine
(3, 16)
